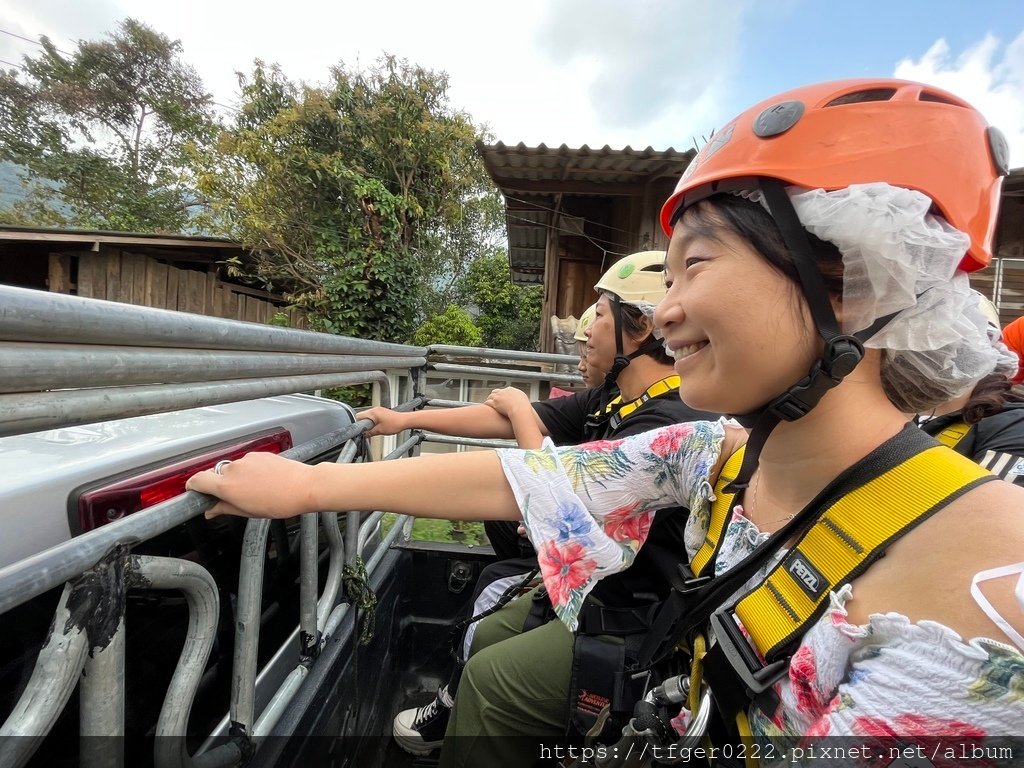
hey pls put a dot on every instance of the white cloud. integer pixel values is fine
(987, 75)
(651, 72)
(652, 75)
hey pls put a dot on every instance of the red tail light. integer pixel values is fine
(107, 503)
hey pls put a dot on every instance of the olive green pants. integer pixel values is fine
(512, 698)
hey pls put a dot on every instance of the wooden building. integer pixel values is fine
(573, 212)
(176, 272)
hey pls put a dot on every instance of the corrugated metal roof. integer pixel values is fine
(512, 167)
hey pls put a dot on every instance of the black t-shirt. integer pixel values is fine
(996, 442)
(648, 577)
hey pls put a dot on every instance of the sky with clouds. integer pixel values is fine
(661, 73)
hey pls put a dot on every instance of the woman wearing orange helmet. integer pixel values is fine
(818, 292)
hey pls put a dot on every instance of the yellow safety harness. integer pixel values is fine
(859, 516)
(953, 434)
(619, 411)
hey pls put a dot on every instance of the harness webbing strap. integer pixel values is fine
(846, 538)
(620, 411)
(953, 434)
(721, 511)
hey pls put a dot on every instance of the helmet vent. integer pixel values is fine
(939, 98)
(858, 97)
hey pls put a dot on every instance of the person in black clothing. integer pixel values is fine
(639, 393)
(987, 426)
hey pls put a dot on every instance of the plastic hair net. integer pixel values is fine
(648, 309)
(899, 258)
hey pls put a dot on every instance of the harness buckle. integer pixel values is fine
(689, 583)
(758, 678)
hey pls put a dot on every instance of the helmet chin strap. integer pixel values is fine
(841, 352)
(621, 360)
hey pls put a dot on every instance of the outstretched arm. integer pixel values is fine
(455, 486)
(468, 421)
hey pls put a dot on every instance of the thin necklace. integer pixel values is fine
(753, 505)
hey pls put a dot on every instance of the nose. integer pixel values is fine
(667, 311)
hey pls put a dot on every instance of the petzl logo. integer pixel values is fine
(806, 575)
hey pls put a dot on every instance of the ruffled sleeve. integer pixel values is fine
(588, 508)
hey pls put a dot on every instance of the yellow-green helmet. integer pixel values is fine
(585, 320)
(637, 278)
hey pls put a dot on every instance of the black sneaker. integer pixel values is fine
(421, 730)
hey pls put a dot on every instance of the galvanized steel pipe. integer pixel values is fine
(30, 367)
(35, 411)
(37, 316)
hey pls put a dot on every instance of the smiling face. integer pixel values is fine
(738, 329)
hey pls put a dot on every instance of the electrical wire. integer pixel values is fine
(605, 251)
(34, 42)
(555, 210)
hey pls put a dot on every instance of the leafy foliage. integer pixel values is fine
(353, 195)
(453, 326)
(113, 126)
(508, 315)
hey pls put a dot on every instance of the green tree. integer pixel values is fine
(453, 326)
(113, 126)
(508, 315)
(360, 198)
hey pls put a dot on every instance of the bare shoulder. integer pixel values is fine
(735, 438)
(927, 574)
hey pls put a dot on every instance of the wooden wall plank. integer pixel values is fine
(127, 278)
(113, 276)
(209, 293)
(182, 303)
(196, 290)
(171, 297)
(156, 284)
(219, 299)
(139, 283)
(59, 277)
(91, 276)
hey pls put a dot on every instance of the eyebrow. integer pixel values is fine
(686, 241)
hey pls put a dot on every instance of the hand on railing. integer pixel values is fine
(257, 485)
(385, 420)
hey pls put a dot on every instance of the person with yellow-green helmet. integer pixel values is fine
(641, 395)
(592, 377)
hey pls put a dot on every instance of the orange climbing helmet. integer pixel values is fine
(836, 134)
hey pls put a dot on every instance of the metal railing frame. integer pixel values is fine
(128, 361)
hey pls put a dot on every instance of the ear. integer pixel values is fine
(837, 308)
(637, 339)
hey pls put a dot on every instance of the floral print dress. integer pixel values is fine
(888, 678)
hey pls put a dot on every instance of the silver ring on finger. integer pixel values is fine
(218, 468)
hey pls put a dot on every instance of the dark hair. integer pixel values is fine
(752, 223)
(633, 325)
(988, 398)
